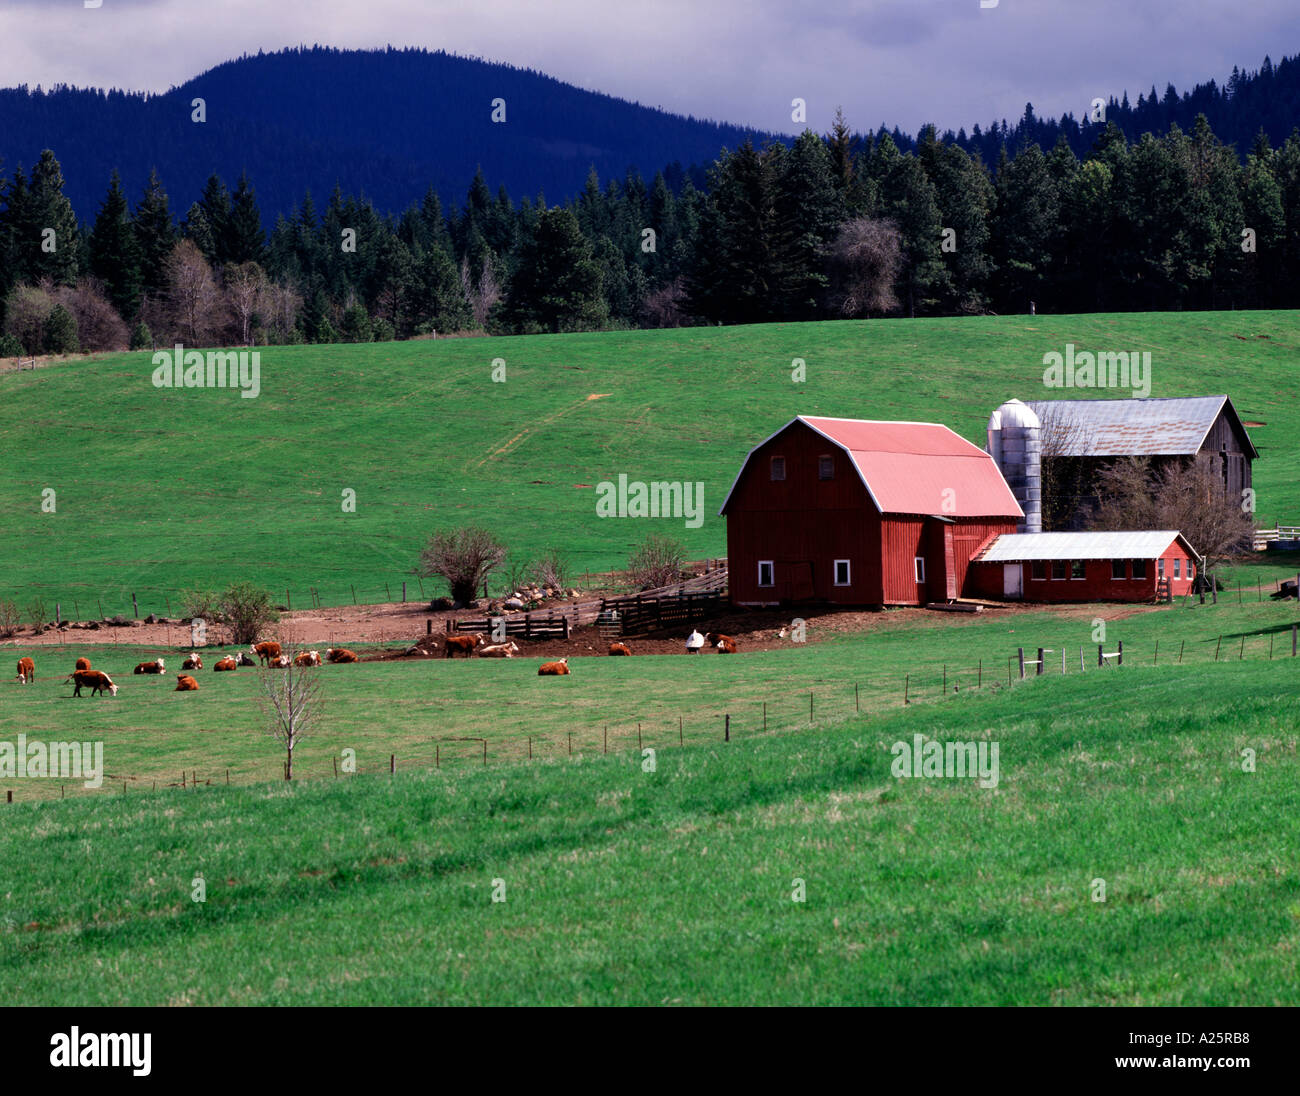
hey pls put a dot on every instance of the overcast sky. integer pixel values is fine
(901, 62)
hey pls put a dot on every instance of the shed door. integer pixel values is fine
(1011, 584)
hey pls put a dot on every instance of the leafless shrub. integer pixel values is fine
(292, 702)
(10, 619)
(483, 293)
(37, 613)
(463, 557)
(26, 310)
(657, 561)
(1062, 436)
(99, 327)
(666, 306)
(552, 570)
(247, 291)
(865, 258)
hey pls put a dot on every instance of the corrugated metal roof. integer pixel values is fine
(910, 468)
(1019, 547)
(1134, 427)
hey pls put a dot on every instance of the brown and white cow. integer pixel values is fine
(340, 654)
(547, 669)
(83, 664)
(279, 662)
(619, 649)
(307, 658)
(96, 679)
(26, 671)
(726, 645)
(157, 667)
(499, 650)
(465, 645)
(266, 651)
(242, 659)
(226, 663)
(192, 662)
(185, 683)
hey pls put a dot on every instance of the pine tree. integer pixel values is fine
(215, 204)
(114, 253)
(1028, 213)
(155, 235)
(809, 209)
(47, 236)
(557, 285)
(245, 238)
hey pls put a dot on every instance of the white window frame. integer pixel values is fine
(848, 572)
(1160, 568)
(771, 565)
(1038, 565)
(918, 569)
(1178, 566)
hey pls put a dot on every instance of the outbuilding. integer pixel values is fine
(1100, 566)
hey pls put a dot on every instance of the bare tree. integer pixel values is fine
(246, 289)
(551, 570)
(292, 701)
(192, 293)
(1063, 472)
(283, 303)
(666, 306)
(483, 294)
(865, 258)
(464, 557)
(657, 561)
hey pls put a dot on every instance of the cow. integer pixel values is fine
(266, 651)
(461, 644)
(279, 662)
(26, 671)
(694, 642)
(226, 663)
(619, 649)
(500, 650)
(242, 659)
(83, 664)
(193, 662)
(547, 669)
(151, 667)
(185, 683)
(96, 679)
(340, 654)
(726, 645)
(307, 658)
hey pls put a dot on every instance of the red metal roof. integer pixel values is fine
(909, 468)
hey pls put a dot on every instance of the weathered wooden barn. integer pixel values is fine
(1102, 566)
(857, 512)
(1079, 438)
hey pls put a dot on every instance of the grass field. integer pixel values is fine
(676, 886)
(159, 490)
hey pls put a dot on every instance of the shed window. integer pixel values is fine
(825, 467)
(778, 469)
(1058, 568)
(1076, 569)
(1178, 567)
(766, 573)
(1139, 568)
(1038, 570)
(1191, 569)
(919, 564)
(1117, 569)
(1160, 568)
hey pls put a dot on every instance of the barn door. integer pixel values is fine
(949, 564)
(801, 582)
(1011, 581)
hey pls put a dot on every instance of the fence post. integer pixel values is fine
(907, 680)
(1040, 663)
(1216, 648)
(1241, 651)
(392, 764)
(1020, 652)
(857, 707)
(1062, 659)
(1082, 667)
(979, 682)
(485, 751)
(354, 593)
(1156, 661)
(135, 609)
(810, 706)
(1293, 630)
(764, 717)
(1101, 658)
(287, 603)
(1120, 659)
(726, 728)
(606, 738)
(681, 741)
(403, 592)
(428, 626)
(1181, 645)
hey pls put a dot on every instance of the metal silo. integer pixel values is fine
(1015, 444)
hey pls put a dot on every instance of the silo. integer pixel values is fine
(1016, 447)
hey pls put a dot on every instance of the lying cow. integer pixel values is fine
(223, 664)
(193, 662)
(157, 667)
(547, 669)
(242, 659)
(266, 651)
(185, 683)
(619, 649)
(279, 662)
(465, 645)
(499, 650)
(726, 645)
(307, 658)
(96, 679)
(26, 671)
(83, 664)
(340, 654)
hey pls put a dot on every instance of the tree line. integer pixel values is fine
(834, 225)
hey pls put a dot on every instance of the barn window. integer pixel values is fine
(919, 564)
(1058, 568)
(825, 467)
(842, 572)
(1139, 568)
(1160, 568)
(766, 573)
(1178, 567)
(1117, 569)
(1076, 569)
(778, 469)
(1038, 570)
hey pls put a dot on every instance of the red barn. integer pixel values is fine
(1103, 566)
(855, 512)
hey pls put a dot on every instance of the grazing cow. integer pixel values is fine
(193, 662)
(340, 654)
(547, 669)
(242, 659)
(185, 683)
(462, 644)
(26, 671)
(619, 649)
(266, 651)
(726, 645)
(226, 663)
(96, 679)
(151, 667)
(307, 658)
(500, 650)
(694, 642)
(83, 664)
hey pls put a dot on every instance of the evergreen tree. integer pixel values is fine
(556, 286)
(155, 236)
(47, 237)
(245, 239)
(809, 209)
(114, 253)
(215, 204)
(1028, 212)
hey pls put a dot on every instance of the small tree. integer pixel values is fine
(142, 337)
(37, 613)
(865, 258)
(292, 701)
(9, 619)
(464, 557)
(61, 332)
(658, 561)
(551, 570)
(246, 609)
(1061, 437)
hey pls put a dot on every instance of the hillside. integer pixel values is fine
(160, 490)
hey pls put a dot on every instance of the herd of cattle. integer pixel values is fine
(271, 654)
